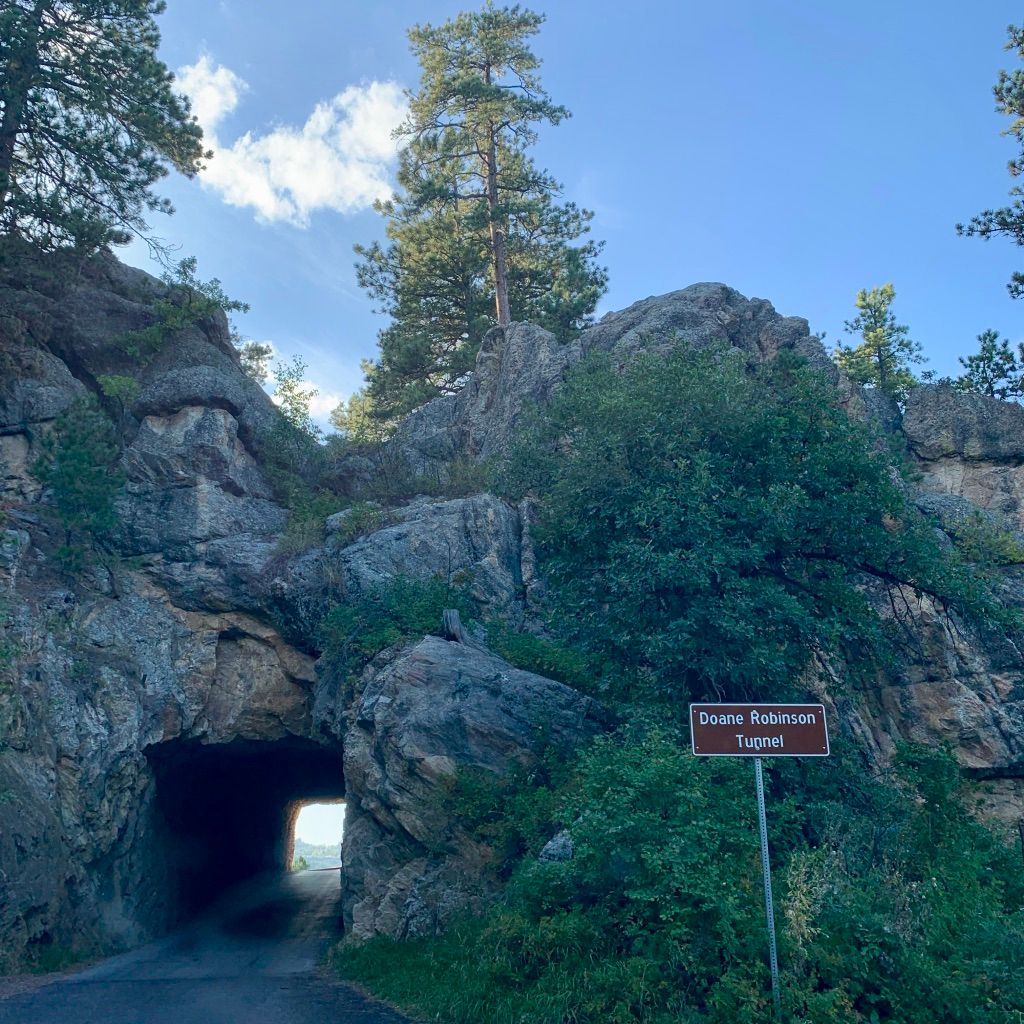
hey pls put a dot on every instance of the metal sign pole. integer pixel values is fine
(769, 907)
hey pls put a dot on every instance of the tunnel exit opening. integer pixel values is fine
(227, 811)
(315, 830)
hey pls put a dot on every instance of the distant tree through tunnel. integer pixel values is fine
(227, 811)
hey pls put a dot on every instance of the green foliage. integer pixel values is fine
(91, 120)
(294, 458)
(355, 421)
(254, 357)
(119, 387)
(300, 864)
(994, 370)
(186, 301)
(1007, 221)
(709, 529)
(987, 545)
(547, 657)
(308, 511)
(360, 519)
(78, 466)
(893, 904)
(293, 398)
(475, 234)
(882, 359)
(511, 815)
(354, 633)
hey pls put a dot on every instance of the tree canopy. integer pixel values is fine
(89, 120)
(883, 358)
(476, 234)
(995, 370)
(710, 529)
(1007, 221)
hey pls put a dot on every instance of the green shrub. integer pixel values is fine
(361, 518)
(352, 634)
(893, 904)
(548, 657)
(307, 516)
(78, 465)
(711, 526)
(986, 545)
(513, 815)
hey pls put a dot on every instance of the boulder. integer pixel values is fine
(969, 447)
(940, 422)
(435, 710)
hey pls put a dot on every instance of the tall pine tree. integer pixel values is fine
(1007, 220)
(882, 360)
(476, 232)
(89, 120)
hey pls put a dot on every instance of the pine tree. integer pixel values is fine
(994, 370)
(1007, 220)
(89, 120)
(475, 233)
(882, 359)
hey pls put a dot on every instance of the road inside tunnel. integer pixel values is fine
(226, 811)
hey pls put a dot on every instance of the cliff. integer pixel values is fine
(156, 703)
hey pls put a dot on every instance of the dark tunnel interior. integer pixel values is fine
(226, 810)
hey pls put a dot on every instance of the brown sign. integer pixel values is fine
(759, 730)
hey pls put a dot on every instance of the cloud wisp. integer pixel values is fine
(340, 159)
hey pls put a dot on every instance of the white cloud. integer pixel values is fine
(214, 92)
(321, 407)
(340, 159)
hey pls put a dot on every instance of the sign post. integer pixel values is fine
(761, 730)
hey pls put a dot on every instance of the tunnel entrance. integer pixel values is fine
(226, 811)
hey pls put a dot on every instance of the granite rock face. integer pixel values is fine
(436, 709)
(131, 691)
(521, 367)
(193, 656)
(970, 447)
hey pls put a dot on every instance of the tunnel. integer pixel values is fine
(225, 812)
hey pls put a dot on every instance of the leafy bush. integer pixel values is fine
(893, 904)
(717, 528)
(353, 634)
(548, 657)
(986, 545)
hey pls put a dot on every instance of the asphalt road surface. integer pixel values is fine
(252, 959)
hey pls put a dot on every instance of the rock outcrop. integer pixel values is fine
(133, 691)
(150, 702)
(521, 367)
(433, 710)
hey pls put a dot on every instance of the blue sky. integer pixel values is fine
(797, 151)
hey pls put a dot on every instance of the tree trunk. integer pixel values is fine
(496, 227)
(497, 242)
(22, 69)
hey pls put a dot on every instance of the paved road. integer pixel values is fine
(250, 960)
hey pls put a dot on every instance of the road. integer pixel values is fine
(251, 959)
